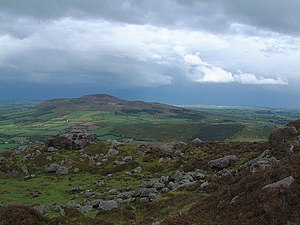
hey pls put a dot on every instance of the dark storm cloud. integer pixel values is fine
(218, 15)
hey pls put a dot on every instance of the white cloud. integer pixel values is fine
(95, 51)
(203, 72)
(246, 78)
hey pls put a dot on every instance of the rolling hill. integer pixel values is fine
(112, 118)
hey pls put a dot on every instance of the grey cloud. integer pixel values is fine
(57, 47)
(215, 16)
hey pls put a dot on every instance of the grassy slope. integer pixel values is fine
(191, 205)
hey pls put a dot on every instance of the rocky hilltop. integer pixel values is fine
(75, 179)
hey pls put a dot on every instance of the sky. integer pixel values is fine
(217, 52)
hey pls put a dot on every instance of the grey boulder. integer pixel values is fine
(222, 163)
(284, 183)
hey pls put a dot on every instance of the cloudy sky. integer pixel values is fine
(222, 52)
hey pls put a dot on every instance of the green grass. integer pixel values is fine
(23, 124)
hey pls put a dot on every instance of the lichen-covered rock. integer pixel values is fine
(262, 162)
(222, 163)
(52, 168)
(103, 204)
(284, 183)
(71, 141)
(62, 171)
(137, 170)
(145, 149)
(167, 149)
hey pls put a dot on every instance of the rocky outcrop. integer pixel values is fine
(284, 183)
(282, 135)
(71, 141)
(57, 169)
(145, 149)
(222, 163)
(103, 204)
(168, 150)
(293, 146)
(262, 162)
(150, 190)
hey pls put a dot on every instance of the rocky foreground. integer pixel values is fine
(73, 179)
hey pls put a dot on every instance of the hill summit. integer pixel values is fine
(108, 103)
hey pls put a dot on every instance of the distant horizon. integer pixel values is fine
(179, 104)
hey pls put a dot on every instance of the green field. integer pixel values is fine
(26, 122)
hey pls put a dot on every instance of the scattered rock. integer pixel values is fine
(73, 204)
(76, 170)
(115, 143)
(86, 208)
(104, 205)
(167, 149)
(28, 177)
(40, 208)
(100, 183)
(204, 185)
(144, 200)
(68, 162)
(92, 161)
(38, 152)
(58, 207)
(62, 171)
(284, 183)
(111, 152)
(156, 223)
(182, 144)
(137, 170)
(49, 158)
(52, 168)
(104, 160)
(262, 162)
(221, 163)
(178, 153)
(76, 190)
(117, 162)
(145, 149)
(127, 159)
(25, 170)
(52, 149)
